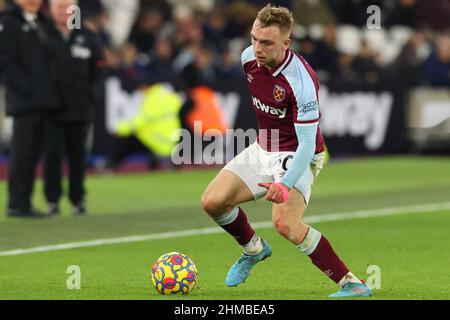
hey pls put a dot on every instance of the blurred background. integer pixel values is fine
(384, 90)
(385, 116)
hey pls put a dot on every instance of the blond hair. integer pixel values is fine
(279, 16)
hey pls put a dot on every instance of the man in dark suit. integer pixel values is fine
(79, 73)
(27, 71)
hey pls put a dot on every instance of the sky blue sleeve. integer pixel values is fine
(306, 135)
(247, 55)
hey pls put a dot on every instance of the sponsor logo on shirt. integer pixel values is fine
(310, 106)
(281, 113)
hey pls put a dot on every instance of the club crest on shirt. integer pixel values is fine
(279, 93)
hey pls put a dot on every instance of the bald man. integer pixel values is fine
(79, 72)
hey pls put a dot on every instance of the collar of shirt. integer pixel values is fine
(275, 71)
(282, 65)
(30, 17)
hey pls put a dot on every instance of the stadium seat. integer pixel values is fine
(400, 34)
(376, 39)
(316, 31)
(348, 39)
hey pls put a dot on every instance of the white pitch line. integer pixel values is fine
(258, 225)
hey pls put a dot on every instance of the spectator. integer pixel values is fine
(154, 126)
(188, 35)
(29, 78)
(365, 66)
(352, 12)
(122, 14)
(409, 63)
(160, 66)
(161, 6)
(228, 67)
(437, 66)
(433, 14)
(188, 29)
(150, 131)
(144, 32)
(307, 13)
(79, 60)
(133, 68)
(403, 13)
(91, 8)
(195, 5)
(240, 16)
(96, 19)
(345, 74)
(201, 71)
(319, 54)
(327, 48)
(214, 28)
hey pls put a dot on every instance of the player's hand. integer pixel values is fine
(277, 192)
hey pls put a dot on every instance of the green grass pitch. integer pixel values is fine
(411, 249)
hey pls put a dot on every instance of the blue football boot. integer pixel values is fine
(353, 290)
(240, 270)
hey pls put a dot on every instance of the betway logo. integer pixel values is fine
(357, 114)
(281, 113)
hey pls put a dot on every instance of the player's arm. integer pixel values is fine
(306, 135)
(11, 73)
(306, 119)
(247, 56)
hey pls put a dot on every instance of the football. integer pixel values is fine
(174, 273)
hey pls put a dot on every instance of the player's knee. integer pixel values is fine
(282, 227)
(212, 205)
(294, 232)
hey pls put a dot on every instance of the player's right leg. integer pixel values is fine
(236, 184)
(225, 192)
(221, 202)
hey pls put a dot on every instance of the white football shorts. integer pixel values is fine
(254, 165)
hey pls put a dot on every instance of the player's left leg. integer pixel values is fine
(287, 219)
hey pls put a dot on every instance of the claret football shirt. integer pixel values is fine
(283, 96)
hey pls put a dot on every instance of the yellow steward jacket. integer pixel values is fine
(157, 123)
